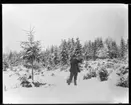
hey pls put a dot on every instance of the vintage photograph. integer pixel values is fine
(65, 53)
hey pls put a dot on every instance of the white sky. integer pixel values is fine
(54, 22)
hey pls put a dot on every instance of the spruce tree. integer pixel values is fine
(88, 50)
(94, 48)
(114, 50)
(63, 53)
(73, 44)
(122, 48)
(31, 51)
(78, 48)
(69, 50)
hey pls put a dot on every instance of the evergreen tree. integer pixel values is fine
(10, 59)
(72, 50)
(47, 57)
(103, 52)
(88, 50)
(114, 50)
(94, 48)
(31, 51)
(63, 53)
(78, 48)
(108, 43)
(99, 46)
(69, 50)
(126, 53)
(99, 43)
(56, 58)
(5, 62)
(122, 48)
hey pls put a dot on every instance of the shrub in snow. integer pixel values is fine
(87, 76)
(38, 84)
(91, 73)
(123, 73)
(103, 74)
(120, 77)
(24, 81)
(109, 65)
(26, 84)
(123, 81)
(124, 70)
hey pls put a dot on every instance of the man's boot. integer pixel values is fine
(68, 81)
(75, 82)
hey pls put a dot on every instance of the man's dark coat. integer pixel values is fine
(74, 66)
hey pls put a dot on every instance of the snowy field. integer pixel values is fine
(87, 91)
(58, 91)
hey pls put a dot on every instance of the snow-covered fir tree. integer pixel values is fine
(78, 48)
(122, 48)
(63, 53)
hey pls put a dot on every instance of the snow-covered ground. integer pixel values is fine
(56, 90)
(87, 91)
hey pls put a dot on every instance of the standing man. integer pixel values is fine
(74, 69)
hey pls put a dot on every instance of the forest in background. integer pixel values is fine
(60, 55)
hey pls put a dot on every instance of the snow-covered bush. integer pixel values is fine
(38, 84)
(87, 76)
(24, 81)
(124, 76)
(26, 84)
(120, 76)
(91, 73)
(122, 70)
(103, 74)
(123, 81)
(109, 65)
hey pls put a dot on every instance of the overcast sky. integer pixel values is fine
(54, 22)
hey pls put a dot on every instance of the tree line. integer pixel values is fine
(32, 55)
